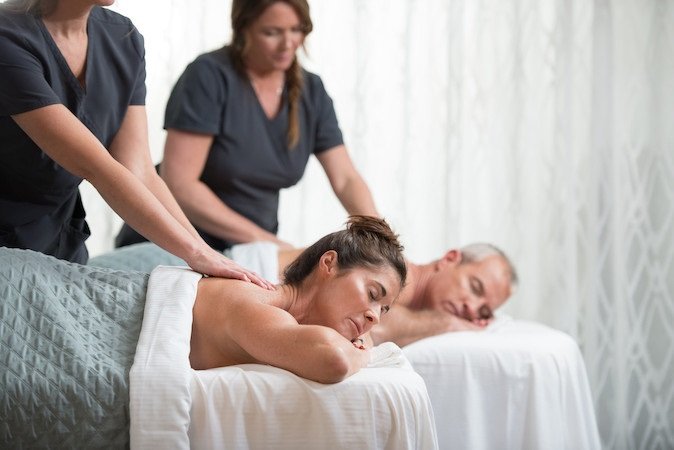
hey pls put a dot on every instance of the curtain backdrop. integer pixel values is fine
(545, 127)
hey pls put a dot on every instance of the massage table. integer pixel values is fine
(96, 357)
(515, 385)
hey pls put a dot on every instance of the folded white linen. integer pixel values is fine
(388, 354)
(515, 385)
(259, 406)
(160, 375)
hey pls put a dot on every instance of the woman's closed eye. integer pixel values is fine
(378, 293)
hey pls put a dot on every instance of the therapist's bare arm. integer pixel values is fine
(185, 156)
(68, 142)
(404, 326)
(126, 148)
(346, 182)
(236, 323)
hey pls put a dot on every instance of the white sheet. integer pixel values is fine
(258, 406)
(516, 385)
(161, 375)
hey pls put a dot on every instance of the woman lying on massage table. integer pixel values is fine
(333, 293)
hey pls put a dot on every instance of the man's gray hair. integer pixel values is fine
(478, 251)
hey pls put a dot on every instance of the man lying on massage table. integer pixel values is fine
(456, 292)
(333, 292)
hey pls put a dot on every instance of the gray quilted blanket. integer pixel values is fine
(67, 340)
(142, 257)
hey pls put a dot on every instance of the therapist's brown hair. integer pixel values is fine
(37, 7)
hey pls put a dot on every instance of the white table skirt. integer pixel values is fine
(516, 385)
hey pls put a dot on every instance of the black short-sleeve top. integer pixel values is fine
(249, 160)
(40, 206)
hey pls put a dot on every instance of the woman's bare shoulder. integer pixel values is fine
(214, 289)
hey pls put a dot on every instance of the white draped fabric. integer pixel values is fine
(542, 126)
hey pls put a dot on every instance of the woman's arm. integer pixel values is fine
(346, 182)
(68, 142)
(311, 351)
(231, 318)
(185, 155)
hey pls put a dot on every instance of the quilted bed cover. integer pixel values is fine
(385, 406)
(68, 336)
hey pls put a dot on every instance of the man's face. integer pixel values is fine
(468, 290)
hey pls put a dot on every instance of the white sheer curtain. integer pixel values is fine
(542, 126)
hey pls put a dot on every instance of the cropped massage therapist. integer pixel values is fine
(72, 96)
(242, 122)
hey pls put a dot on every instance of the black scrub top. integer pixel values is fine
(249, 160)
(40, 204)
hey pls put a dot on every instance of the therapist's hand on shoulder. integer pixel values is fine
(213, 263)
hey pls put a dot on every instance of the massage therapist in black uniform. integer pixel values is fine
(242, 122)
(72, 94)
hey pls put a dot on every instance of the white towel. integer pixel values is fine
(387, 354)
(160, 376)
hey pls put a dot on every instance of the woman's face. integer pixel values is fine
(353, 301)
(273, 38)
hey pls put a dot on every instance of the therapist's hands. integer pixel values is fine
(213, 263)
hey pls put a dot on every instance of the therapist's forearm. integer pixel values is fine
(65, 139)
(210, 214)
(139, 207)
(157, 186)
(356, 197)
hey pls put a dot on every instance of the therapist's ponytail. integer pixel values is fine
(294, 82)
